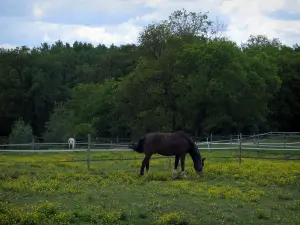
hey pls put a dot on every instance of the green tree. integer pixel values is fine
(285, 106)
(21, 133)
(59, 128)
(183, 74)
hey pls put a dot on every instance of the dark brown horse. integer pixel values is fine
(169, 144)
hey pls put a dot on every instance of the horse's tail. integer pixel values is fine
(140, 145)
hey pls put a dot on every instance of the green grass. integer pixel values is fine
(258, 192)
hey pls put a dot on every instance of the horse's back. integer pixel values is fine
(166, 143)
(71, 140)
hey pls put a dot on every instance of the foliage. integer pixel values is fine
(92, 105)
(173, 218)
(59, 127)
(21, 133)
(183, 74)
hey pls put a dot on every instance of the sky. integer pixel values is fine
(32, 22)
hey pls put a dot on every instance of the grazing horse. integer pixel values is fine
(71, 142)
(169, 144)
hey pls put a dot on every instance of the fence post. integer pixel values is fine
(33, 147)
(258, 151)
(89, 152)
(240, 155)
(285, 140)
(208, 144)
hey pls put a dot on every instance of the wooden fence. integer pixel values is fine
(257, 142)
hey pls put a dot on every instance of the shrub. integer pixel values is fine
(21, 133)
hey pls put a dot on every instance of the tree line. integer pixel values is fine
(183, 74)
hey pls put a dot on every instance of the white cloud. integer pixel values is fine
(292, 6)
(111, 6)
(7, 46)
(243, 18)
(257, 22)
(37, 11)
(118, 34)
(46, 38)
(123, 33)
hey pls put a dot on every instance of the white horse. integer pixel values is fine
(71, 141)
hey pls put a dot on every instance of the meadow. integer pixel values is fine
(37, 190)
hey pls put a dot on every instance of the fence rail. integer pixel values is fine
(243, 142)
(255, 142)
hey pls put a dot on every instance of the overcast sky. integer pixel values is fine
(31, 22)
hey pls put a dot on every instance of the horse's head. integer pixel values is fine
(138, 147)
(133, 146)
(199, 164)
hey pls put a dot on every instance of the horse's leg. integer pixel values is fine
(182, 159)
(147, 165)
(144, 163)
(175, 166)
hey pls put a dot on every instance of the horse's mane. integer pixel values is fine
(193, 150)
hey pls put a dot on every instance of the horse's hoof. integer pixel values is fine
(183, 175)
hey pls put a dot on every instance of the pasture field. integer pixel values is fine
(261, 191)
